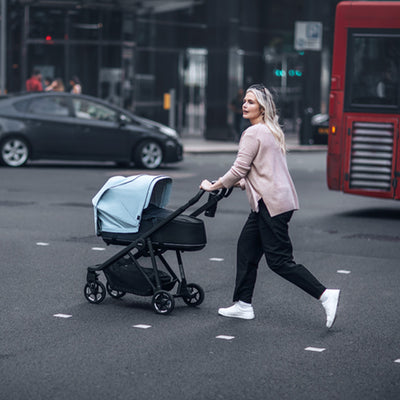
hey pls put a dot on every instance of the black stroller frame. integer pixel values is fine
(157, 285)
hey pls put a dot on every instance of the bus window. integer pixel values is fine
(372, 71)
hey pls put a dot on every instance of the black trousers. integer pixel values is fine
(263, 234)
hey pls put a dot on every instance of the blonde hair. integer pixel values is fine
(270, 116)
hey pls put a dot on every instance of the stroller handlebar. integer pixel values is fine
(210, 207)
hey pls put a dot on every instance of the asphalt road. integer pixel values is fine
(55, 345)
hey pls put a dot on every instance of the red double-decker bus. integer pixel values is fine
(364, 105)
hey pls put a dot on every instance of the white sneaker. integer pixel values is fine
(330, 302)
(238, 311)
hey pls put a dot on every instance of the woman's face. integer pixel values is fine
(251, 108)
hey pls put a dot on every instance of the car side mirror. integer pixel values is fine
(123, 120)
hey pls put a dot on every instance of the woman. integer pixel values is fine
(75, 83)
(56, 86)
(260, 168)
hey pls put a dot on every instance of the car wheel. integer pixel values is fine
(148, 155)
(14, 152)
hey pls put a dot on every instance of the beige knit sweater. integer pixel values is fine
(262, 167)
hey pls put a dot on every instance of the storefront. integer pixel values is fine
(133, 53)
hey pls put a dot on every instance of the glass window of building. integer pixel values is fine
(46, 23)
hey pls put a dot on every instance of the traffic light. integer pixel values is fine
(294, 73)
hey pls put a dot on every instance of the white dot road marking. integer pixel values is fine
(142, 326)
(98, 248)
(225, 337)
(343, 271)
(316, 349)
(42, 244)
(216, 259)
(62, 315)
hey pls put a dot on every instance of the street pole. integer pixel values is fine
(3, 44)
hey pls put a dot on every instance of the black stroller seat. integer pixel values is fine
(184, 232)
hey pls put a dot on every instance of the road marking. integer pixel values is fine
(316, 349)
(42, 244)
(397, 361)
(98, 248)
(216, 259)
(225, 337)
(62, 315)
(142, 326)
(343, 271)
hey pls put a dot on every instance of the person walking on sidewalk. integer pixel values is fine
(34, 83)
(261, 169)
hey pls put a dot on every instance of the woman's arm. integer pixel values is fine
(248, 149)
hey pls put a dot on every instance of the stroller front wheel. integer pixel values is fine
(95, 292)
(163, 302)
(194, 296)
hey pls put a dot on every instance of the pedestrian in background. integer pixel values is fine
(76, 85)
(34, 83)
(47, 84)
(56, 86)
(261, 169)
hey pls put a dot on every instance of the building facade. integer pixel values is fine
(200, 52)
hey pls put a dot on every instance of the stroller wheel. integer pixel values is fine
(194, 296)
(163, 302)
(95, 292)
(117, 294)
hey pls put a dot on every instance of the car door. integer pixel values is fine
(50, 127)
(99, 132)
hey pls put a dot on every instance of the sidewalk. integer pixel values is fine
(201, 146)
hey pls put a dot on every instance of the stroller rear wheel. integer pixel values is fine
(95, 292)
(194, 296)
(163, 302)
(116, 294)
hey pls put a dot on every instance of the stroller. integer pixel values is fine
(129, 212)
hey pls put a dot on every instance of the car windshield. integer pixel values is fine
(86, 109)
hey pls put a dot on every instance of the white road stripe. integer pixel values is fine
(62, 315)
(142, 326)
(216, 259)
(316, 349)
(225, 337)
(343, 271)
(98, 248)
(42, 244)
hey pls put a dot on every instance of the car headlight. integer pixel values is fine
(169, 131)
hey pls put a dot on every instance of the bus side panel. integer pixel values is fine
(335, 138)
(335, 142)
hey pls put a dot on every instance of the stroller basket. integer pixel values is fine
(122, 276)
(130, 212)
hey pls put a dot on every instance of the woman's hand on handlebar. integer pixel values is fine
(210, 187)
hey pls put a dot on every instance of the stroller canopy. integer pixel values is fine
(119, 204)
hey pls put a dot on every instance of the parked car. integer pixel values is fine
(320, 128)
(78, 127)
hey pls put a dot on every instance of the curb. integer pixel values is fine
(193, 146)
